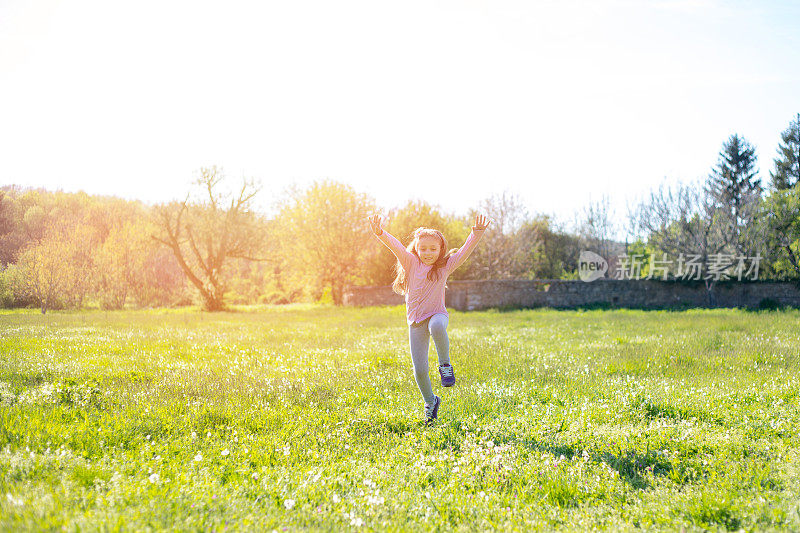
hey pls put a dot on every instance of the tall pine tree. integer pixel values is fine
(735, 188)
(787, 164)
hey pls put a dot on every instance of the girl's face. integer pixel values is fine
(428, 249)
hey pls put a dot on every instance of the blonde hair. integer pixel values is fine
(400, 284)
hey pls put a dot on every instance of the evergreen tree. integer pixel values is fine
(735, 189)
(787, 164)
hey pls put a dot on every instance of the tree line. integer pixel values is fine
(731, 214)
(71, 250)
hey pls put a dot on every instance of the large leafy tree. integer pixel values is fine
(10, 238)
(6, 214)
(204, 233)
(120, 261)
(43, 273)
(787, 165)
(780, 212)
(324, 235)
(553, 251)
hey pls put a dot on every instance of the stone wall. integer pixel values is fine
(469, 295)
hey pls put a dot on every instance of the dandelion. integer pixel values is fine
(225, 452)
(288, 504)
(198, 457)
(153, 478)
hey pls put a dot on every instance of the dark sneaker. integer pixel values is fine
(432, 411)
(448, 377)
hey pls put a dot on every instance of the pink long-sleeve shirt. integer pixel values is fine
(425, 298)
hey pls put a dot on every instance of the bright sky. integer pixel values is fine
(557, 101)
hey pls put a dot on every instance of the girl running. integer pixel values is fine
(422, 270)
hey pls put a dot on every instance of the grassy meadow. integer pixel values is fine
(307, 417)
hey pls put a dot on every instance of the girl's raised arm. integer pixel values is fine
(455, 260)
(404, 256)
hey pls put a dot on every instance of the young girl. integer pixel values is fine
(422, 270)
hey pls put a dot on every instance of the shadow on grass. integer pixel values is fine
(656, 410)
(631, 465)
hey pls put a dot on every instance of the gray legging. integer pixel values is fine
(419, 334)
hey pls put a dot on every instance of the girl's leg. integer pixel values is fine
(419, 338)
(438, 329)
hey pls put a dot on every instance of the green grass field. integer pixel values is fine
(308, 417)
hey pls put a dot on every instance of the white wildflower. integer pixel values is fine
(374, 500)
(288, 504)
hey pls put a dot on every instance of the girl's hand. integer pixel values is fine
(481, 222)
(375, 223)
